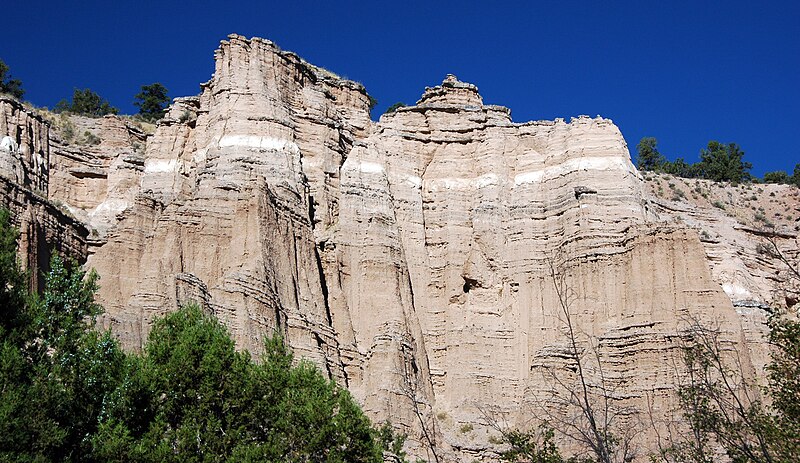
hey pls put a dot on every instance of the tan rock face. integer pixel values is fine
(224, 215)
(24, 146)
(44, 228)
(410, 258)
(96, 166)
(450, 216)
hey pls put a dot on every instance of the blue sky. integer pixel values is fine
(683, 72)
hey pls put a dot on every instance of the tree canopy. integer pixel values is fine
(395, 107)
(648, 156)
(782, 177)
(85, 102)
(68, 393)
(723, 163)
(9, 85)
(152, 101)
(720, 162)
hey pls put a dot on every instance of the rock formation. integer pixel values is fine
(44, 227)
(413, 259)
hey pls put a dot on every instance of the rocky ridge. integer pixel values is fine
(411, 258)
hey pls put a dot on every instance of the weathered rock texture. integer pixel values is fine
(44, 228)
(24, 146)
(96, 165)
(411, 258)
(233, 185)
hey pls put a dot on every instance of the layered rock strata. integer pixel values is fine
(452, 218)
(234, 184)
(24, 146)
(422, 260)
(96, 166)
(44, 227)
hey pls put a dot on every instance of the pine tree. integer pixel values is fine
(152, 101)
(723, 163)
(648, 157)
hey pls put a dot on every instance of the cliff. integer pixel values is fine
(45, 227)
(423, 260)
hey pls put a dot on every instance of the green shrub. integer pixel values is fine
(85, 103)
(647, 155)
(778, 176)
(90, 138)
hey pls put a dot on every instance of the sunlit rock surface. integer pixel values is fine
(412, 258)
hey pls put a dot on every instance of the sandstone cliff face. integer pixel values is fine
(24, 146)
(412, 258)
(739, 227)
(224, 215)
(450, 218)
(24, 171)
(96, 165)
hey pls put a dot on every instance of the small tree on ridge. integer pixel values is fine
(8, 85)
(152, 101)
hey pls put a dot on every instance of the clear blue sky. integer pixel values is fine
(683, 72)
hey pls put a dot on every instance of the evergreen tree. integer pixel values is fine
(193, 398)
(681, 168)
(86, 103)
(55, 373)
(647, 155)
(68, 393)
(8, 85)
(723, 163)
(13, 284)
(152, 101)
(778, 176)
(395, 107)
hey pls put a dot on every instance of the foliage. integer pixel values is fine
(752, 424)
(86, 103)
(69, 393)
(681, 168)
(152, 101)
(55, 372)
(532, 447)
(395, 107)
(648, 157)
(778, 176)
(90, 138)
(784, 387)
(372, 102)
(13, 284)
(723, 163)
(722, 407)
(192, 397)
(718, 162)
(391, 443)
(8, 85)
